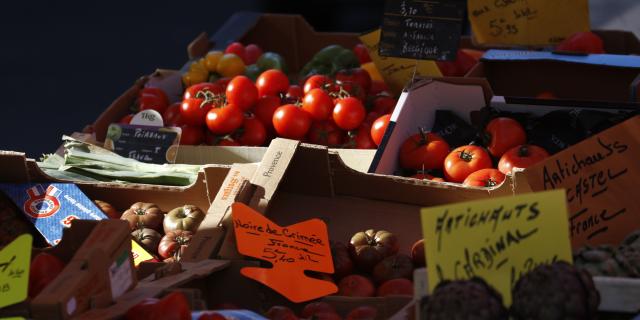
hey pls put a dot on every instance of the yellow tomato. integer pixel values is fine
(194, 77)
(373, 71)
(230, 65)
(211, 60)
(198, 66)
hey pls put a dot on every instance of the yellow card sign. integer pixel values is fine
(15, 259)
(397, 72)
(523, 22)
(498, 239)
(139, 253)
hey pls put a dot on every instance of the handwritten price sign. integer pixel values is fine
(291, 250)
(498, 239)
(15, 259)
(524, 22)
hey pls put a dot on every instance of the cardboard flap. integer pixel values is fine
(14, 167)
(199, 46)
(610, 60)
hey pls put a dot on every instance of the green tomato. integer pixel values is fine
(271, 60)
(252, 72)
(327, 54)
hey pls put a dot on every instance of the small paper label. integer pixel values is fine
(149, 117)
(15, 259)
(72, 304)
(120, 275)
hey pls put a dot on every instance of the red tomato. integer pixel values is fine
(224, 120)
(264, 110)
(395, 287)
(379, 127)
(238, 49)
(362, 313)
(488, 177)
(291, 122)
(272, 83)
(377, 87)
(371, 118)
(242, 93)
(522, 156)
(252, 53)
(173, 306)
(281, 313)
(171, 116)
(226, 142)
(326, 133)
(152, 102)
(355, 75)
(418, 254)
(295, 92)
(460, 66)
(126, 119)
(316, 81)
(362, 53)
(422, 176)
(194, 111)
(192, 135)
(142, 309)
(465, 160)
(356, 286)
(342, 89)
(348, 113)
(156, 92)
(586, 42)
(318, 104)
(45, 267)
(205, 88)
(252, 132)
(423, 151)
(223, 82)
(361, 138)
(384, 104)
(504, 134)
(314, 308)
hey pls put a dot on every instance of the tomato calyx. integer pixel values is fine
(466, 156)
(490, 183)
(210, 98)
(140, 211)
(423, 137)
(523, 151)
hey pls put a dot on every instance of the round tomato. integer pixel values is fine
(362, 53)
(423, 151)
(152, 102)
(522, 156)
(586, 42)
(377, 87)
(465, 160)
(348, 113)
(203, 89)
(252, 132)
(251, 54)
(272, 83)
(295, 92)
(326, 133)
(355, 75)
(156, 92)
(316, 81)
(171, 116)
(384, 104)
(379, 127)
(503, 134)
(194, 111)
(44, 269)
(230, 65)
(291, 122)
(314, 308)
(224, 120)
(211, 60)
(371, 118)
(126, 119)
(422, 176)
(191, 135)
(174, 306)
(226, 142)
(264, 110)
(361, 138)
(223, 82)
(484, 178)
(242, 93)
(238, 49)
(318, 104)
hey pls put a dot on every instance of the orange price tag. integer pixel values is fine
(291, 250)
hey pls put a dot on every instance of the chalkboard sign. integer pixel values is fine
(419, 29)
(143, 143)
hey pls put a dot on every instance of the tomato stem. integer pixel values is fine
(490, 183)
(423, 136)
(139, 211)
(466, 156)
(523, 151)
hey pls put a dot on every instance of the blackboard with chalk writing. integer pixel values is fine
(143, 143)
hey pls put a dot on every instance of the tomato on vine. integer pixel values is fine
(224, 120)
(318, 104)
(291, 122)
(348, 113)
(242, 93)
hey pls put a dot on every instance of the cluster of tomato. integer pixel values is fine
(472, 165)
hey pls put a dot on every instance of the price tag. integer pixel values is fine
(497, 239)
(291, 250)
(144, 143)
(420, 29)
(148, 117)
(15, 259)
(600, 176)
(522, 22)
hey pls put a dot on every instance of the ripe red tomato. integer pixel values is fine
(488, 177)
(355, 286)
(318, 104)
(460, 66)
(272, 83)
(192, 135)
(45, 267)
(326, 133)
(252, 53)
(201, 89)
(171, 116)
(252, 132)
(465, 160)
(242, 93)
(355, 75)
(156, 92)
(224, 120)
(294, 93)
(314, 308)
(238, 49)
(316, 81)
(422, 176)
(126, 119)
(503, 134)
(395, 287)
(223, 82)
(291, 122)
(377, 87)
(362, 53)
(227, 142)
(379, 127)
(148, 101)
(194, 111)
(142, 309)
(362, 313)
(281, 313)
(348, 113)
(586, 42)
(418, 254)
(174, 306)
(384, 104)
(264, 110)
(423, 151)
(522, 156)
(361, 138)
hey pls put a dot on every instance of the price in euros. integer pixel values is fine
(500, 27)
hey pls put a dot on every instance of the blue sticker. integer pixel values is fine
(52, 206)
(611, 60)
(230, 314)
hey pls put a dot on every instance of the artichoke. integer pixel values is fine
(603, 260)
(465, 299)
(632, 254)
(555, 291)
(632, 240)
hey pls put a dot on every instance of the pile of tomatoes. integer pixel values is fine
(504, 148)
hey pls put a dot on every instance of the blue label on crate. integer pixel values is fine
(52, 206)
(612, 60)
(230, 314)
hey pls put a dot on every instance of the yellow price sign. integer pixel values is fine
(15, 259)
(524, 22)
(397, 72)
(139, 253)
(497, 239)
